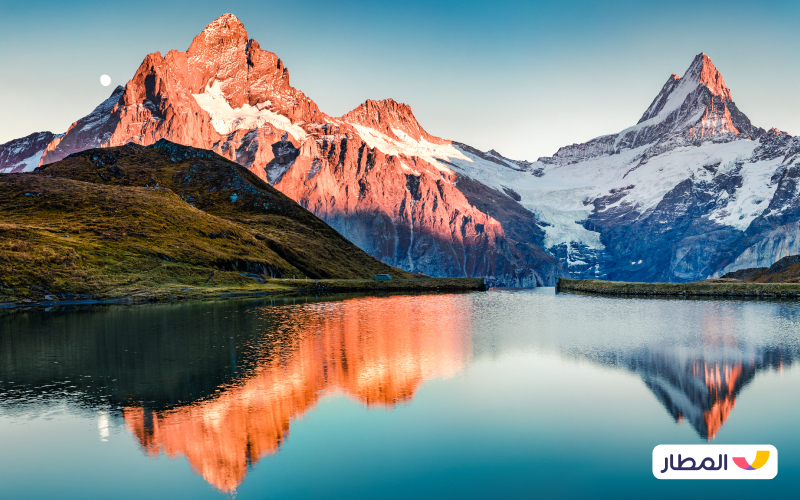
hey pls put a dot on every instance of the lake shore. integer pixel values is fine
(706, 288)
(269, 287)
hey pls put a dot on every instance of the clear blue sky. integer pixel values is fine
(522, 77)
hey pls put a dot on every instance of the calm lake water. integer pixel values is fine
(495, 394)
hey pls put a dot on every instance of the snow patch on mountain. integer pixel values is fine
(749, 201)
(563, 212)
(562, 196)
(662, 173)
(557, 200)
(408, 146)
(30, 164)
(225, 119)
(99, 115)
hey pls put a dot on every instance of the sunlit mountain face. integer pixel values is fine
(220, 384)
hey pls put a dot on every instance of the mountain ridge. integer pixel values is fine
(228, 95)
(686, 185)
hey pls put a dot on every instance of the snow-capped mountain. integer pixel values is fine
(372, 174)
(692, 190)
(25, 154)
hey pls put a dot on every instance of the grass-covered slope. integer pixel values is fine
(110, 222)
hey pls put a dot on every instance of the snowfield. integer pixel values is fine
(225, 119)
(561, 195)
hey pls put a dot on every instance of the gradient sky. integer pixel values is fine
(522, 77)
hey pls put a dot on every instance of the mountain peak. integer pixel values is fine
(674, 94)
(225, 30)
(389, 116)
(704, 72)
(224, 22)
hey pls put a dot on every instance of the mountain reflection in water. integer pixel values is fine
(377, 351)
(701, 389)
(699, 383)
(221, 383)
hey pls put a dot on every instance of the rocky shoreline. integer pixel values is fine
(705, 288)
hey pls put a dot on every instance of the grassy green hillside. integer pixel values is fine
(112, 222)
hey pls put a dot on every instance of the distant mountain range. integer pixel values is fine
(692, 190)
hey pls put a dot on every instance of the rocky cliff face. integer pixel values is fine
(373, 174)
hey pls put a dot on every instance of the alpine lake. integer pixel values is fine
(498, 394)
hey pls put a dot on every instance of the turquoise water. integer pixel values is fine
(501, 394)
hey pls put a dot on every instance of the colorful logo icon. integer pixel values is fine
(761, 459)
(715, 461)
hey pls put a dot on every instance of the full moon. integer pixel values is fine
(105, 80)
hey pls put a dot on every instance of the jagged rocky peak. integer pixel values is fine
(704, 72)
(777, 133)
(226, 65)
(226, 30)
(209, 96)
(696, 107)
(496, 153)
(389, 117)
(677, 90)
(224, 53)
(687, 111)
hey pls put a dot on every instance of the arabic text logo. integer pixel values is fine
(715, 461)
(761, 459)
(706, 464)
